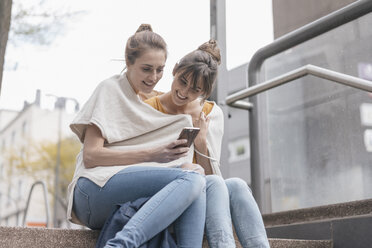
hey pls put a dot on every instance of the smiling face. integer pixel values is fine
(184, 91)
(146, 71)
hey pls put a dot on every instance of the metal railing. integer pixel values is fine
(305, 33)
(234, 100)
(45, 198)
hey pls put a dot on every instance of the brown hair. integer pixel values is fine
(201, 64)
(143, 39)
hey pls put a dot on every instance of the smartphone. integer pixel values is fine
(189, 133)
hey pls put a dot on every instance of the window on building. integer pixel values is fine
(3, 146)
(13, 138)
(20, 184)
(24, 126)
(9, 198)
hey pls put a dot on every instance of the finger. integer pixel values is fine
(179, 155)
(180, 142)
(184, 149)
(207, 120)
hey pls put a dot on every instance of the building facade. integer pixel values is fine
(20, 132)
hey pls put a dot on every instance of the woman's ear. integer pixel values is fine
(174, 69)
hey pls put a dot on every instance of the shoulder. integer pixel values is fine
(154, 102)
(153, 93)
(111, 83)
(151, 101)
(215, 110)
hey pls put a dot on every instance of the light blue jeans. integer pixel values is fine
(232, 200)
(176, 196)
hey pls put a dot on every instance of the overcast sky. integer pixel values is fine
(81, 56)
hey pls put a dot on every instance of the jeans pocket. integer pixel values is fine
(81, 205)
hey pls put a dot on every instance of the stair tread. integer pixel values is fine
(79, 238)
(332, 211)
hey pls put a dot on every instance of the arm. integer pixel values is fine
(201, 143)
(95, 154)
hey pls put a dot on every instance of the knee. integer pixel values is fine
(214, 181)
(237, 186)
(193, 167)
(197, 181)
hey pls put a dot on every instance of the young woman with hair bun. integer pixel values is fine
(131, 151)
(228, 200)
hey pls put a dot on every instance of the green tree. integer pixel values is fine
(39, 162)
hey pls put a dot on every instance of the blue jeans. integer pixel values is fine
(176, 196)
(232, 200)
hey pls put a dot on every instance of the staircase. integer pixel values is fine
(346, 224)
(21, 237)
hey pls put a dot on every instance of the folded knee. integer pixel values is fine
(197, 180)
(237, 185)
(215, 181)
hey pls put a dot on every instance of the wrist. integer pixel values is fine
(201, 145)
(146, 155)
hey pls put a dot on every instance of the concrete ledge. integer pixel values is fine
(296, 243)
(46, 237)
(21, 237)
(341, 210)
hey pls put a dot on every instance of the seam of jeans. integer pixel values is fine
(81, 190)
(86, 196)
(154, 168)
(89, 213)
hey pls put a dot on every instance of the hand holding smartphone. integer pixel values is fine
(189, 133)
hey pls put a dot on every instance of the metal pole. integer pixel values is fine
(58, 161)
(218, 32)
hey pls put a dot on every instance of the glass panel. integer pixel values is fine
(320, 132)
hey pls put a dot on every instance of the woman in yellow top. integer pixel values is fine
(227, 200)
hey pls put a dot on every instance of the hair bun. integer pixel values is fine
(212, 48)
(144, 27)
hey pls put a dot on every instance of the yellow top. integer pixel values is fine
(155, 103)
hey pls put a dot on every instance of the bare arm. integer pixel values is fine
(201, 143)
(95, 154)
(203, 161)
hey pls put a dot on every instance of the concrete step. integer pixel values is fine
(346, 224)
(21, 237)
(27, 237)
(321, 213)
(298, 243)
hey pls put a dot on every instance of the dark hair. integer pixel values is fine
(143, 39)
(201, 64)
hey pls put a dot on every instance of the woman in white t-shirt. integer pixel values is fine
(130, 151)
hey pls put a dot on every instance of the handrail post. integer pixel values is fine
(45, 198)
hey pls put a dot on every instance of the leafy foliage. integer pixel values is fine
(39, 162)
(37, 22)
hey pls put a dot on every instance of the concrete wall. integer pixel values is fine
(289, 15)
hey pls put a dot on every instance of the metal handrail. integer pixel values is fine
(335, 19)
(45, 198)
(234, 99)
(305, 33)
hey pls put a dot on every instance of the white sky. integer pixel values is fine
(81, 58)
